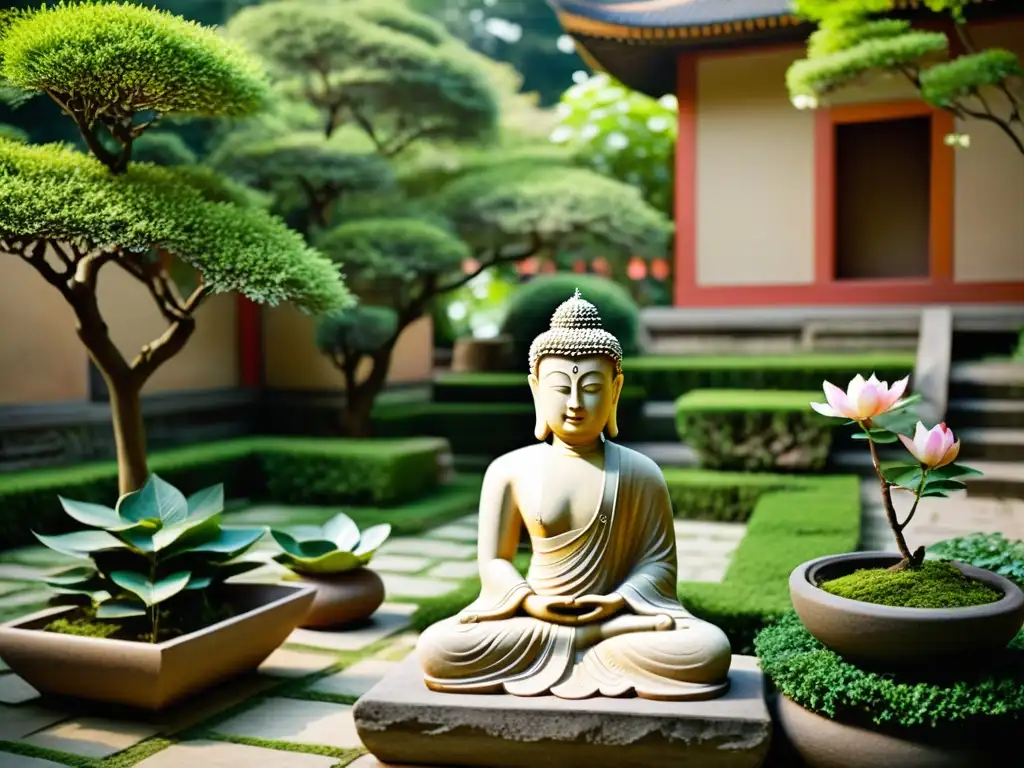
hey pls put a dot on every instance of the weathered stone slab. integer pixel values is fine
(14, 690)
(400, 721)
(457, 569)
(225, 754)
(300, 722)
(432, 548)
(95, 737)
(396, 585)
(400, 563)
(286, 662)
(19, 721)
(456, 532)
(709, 529)
(387, 620)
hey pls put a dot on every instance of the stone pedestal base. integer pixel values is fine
(402, 722)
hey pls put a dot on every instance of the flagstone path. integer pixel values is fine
(295, 711)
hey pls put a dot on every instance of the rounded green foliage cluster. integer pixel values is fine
(388, 256)
(397, 17)
(362, 330)
(529, 312)
(113, 60)
(55, 193)
(621, 133)
(574, 206)
(372, 62)
(944, 83)
(991, 551)
(933, 585)
(13, 133)
(819, 680)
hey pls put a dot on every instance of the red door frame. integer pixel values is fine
(250, 343)
(939, 287)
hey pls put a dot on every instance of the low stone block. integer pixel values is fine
(401, 721)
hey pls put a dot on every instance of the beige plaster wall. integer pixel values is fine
(209, 359)
(41, 358)
(755, 174)
(292, 361)
(989, 236)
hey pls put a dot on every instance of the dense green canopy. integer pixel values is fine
(163, 148)
(352, 333)
(506, 205)
(110, 60)
(52, 192)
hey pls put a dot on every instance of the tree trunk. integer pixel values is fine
(129, 436)
(359, 399)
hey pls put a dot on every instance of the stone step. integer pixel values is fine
(992, 444)
(998, 380)
(667, 454)
(986, 412)
(660, 422)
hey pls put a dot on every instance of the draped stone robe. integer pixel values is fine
(627, 547)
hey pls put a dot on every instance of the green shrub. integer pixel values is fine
(666, 378)
(286, 470)
(729, 497)
(529, 312)
(787, 528)
(819, 680)
(991, 551)
(753, 430)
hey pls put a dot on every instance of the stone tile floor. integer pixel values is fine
(295, 711)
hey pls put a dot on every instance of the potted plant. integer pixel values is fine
(333, 560)
(153, 619)
(895, 610)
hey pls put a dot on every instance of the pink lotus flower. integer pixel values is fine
(935, 447)
(862, 399)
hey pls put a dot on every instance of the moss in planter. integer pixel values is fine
(818, 679)
(934, 585)
(189, 616)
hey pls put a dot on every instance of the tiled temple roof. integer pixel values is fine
(674, 13)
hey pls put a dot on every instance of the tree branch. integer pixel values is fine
(536, 245)
(364, 123)
(156, 353)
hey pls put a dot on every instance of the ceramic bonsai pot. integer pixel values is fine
(825, 743)
(155, 676)
(887, 636)
(342, 598)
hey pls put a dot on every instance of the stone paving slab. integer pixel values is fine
(456, 532)
(295, 720)
(203, 753)
(432, 548)
(3, 666)
(397, 585)
(14, 690)
(706, 546)
(701, 574)
(95, 737)
(10, 760)
(709, 529)
(355, 680)
(389, 619)
(400, 563)
(214, 701)
(287, 662)
(455, 570)
(16, 722)
(402, 646)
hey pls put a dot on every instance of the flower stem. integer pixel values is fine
(909, 560)
(917, 498)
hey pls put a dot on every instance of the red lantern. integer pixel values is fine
(601, 266)
(660, 269)
(528, 266)
(636, 269)
(470, 266)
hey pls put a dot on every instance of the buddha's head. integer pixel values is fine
(576, 375)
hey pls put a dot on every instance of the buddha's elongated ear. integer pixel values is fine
(541, 430)
(612, 428)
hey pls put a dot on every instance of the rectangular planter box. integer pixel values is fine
(155, 676)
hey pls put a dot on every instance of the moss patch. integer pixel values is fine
(189, 616)
(933, 585)
(344, 755)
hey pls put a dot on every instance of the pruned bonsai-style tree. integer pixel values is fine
(116, 70)
(858, 37)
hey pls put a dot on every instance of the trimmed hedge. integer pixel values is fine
(666, 378)
(754, 430)
(727, 497)
(529, 312)
(285, 470)
(787, 528)
(818, 679)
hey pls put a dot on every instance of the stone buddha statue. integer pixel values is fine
(597, 613)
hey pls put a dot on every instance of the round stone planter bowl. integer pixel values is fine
(893, 638)
(342, 598)
(822, 742)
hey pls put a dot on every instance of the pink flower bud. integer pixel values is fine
(862, 399)
(935, 447)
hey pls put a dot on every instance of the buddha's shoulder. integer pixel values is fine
(511, 464)
(639, 466)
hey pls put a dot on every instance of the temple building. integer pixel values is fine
(858, 203)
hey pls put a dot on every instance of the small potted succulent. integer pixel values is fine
(898, 610)
(333, 559)
(153, 619)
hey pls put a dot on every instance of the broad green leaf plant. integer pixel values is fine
(883, 416)
(336, 547)
(152, 549)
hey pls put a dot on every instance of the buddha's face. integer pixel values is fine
(575, 397)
